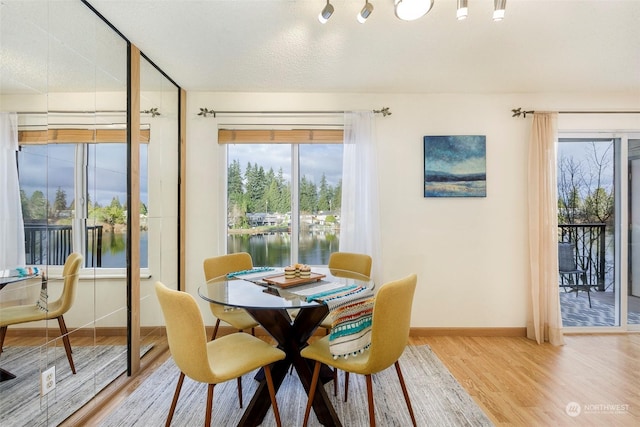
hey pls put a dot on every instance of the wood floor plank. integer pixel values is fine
(518, 382)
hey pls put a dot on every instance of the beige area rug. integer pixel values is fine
(20, 401)
(437, 399)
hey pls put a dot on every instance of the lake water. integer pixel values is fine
(274, 249)
(114, 247)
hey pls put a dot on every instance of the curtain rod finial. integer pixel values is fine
(205, 112)
(517, 112)
(384, 111)
(153, 111)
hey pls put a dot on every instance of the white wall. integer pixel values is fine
(470, 254)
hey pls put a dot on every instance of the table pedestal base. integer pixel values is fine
(291, 338)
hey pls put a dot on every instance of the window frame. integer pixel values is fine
(264, 134)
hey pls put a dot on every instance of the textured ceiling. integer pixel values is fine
(279, 46)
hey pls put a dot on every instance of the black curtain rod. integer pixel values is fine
(205, 112)
(517, 112)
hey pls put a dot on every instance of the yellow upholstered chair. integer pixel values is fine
(389, 335)
(220, 266)
(349, 261)
(48, 310)
(210, 362)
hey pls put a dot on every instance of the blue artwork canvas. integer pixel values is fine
(455, 166)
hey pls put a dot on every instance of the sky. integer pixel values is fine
(52, 166)
(585, 152)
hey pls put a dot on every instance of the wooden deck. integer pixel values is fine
(576, 310)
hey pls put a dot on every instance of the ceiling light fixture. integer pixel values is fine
(365, 12)
(326, 13)
(409, 10)
(463, 10)
(498, 9)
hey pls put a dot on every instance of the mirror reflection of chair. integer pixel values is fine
(389, 336)
(210, 362)
(220, 266)
(48, 310)
(569, 271)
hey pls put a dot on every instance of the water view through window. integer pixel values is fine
(261, 211)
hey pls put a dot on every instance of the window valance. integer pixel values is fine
(280, 136)
(78, 136)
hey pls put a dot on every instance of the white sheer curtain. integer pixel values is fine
(544, 319)
(11, 223)
(359, 216)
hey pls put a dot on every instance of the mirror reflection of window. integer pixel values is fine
(81, 182)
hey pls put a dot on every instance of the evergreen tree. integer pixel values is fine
(336, 197)
(308, 196)
(255, 188)
(284, 192)
(38, 205)
(60, 203)
(324, 195)
(234, 183)
(26, 206)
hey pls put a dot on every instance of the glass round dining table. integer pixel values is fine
(269, 299)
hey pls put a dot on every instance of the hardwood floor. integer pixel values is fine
(515, 381)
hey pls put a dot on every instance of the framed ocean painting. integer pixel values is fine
(455, 166)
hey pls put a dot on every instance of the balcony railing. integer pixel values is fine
(589, 242)
(52, 244)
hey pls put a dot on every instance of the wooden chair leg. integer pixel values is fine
(207, 416)
(175, 399)
(215, 330)
(240, 391)
(272, 394)
(406, 394)
(3, 333)
(312, 392)
(346, 385)
(372, 416)
(67, 344)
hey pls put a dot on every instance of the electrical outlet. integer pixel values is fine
(48, 380)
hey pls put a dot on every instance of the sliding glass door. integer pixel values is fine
(587, 226)
(599, 217)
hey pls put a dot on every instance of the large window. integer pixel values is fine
(74, 200)
(283, 201)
